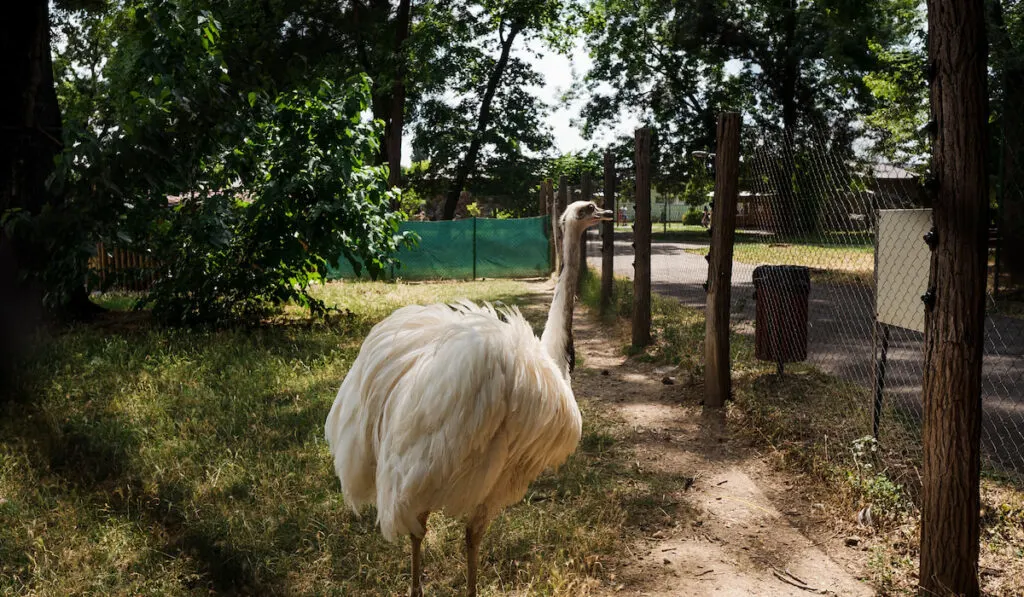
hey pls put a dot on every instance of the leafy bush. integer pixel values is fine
(272, 185)
(307, 193)
(692, 217)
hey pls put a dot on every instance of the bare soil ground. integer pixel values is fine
(750, 530)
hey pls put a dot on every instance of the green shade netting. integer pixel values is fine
(477, 247)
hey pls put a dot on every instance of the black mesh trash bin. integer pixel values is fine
(780, 326)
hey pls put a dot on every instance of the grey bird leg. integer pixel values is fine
(417, 563)
(474, 533)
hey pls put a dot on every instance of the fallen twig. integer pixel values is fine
(796, 582)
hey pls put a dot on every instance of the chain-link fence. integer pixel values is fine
(862, 229)
(859, 228)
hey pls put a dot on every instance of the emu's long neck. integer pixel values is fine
(557, 336)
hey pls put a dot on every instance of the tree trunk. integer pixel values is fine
(793, 220)
(30, 137)
(468, 163)
(396, 119)
(954, 328)
(717, 363)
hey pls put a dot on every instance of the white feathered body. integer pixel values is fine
(449, 407)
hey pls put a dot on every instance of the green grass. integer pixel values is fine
(829, 263)
(145, 460)
(834, 257)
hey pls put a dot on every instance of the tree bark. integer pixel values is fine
(396, 120)
(954, 325)
(717, 364)
(468, 163)
(30, 139)
(642, 242)
(794, 219)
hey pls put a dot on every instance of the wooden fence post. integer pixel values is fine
(608, 234)
(586, 194)
(548, 190)
(717, 365)
(560, 202)
(955, 300)
(642, 241)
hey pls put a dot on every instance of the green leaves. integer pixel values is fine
(239, 252)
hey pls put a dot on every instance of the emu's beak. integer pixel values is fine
(605, 214)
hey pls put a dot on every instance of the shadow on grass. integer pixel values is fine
(205, 447)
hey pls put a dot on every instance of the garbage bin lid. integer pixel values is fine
(790, 275)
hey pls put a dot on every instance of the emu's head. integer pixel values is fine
(581, 215)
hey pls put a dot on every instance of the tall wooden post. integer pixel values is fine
(642, 241)
(561, 200)
(608, 234)
(549, 208)
(586, 194)
(955, 301)
(717, 365)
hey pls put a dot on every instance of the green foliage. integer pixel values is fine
(410, 203)
(875, 489)
(573, 165)
(313, 195)
(271, 185)
(901, 106)
(789, 66)
(692, 217)
(450, 118)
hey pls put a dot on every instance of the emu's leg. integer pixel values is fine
(474, 533)
(417, 564)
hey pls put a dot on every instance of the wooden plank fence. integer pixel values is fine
(123, 270)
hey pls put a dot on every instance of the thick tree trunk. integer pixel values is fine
(793, 217)
(468, 163)
(396, 117)
(954, 329)
(30, 137)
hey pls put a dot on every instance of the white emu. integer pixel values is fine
(458, 408)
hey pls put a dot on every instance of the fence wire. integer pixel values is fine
(859, 228)
(807, 203)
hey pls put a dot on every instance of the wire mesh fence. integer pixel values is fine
(863, 231)
(859, 228)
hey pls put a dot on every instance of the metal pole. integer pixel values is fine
(880, 377)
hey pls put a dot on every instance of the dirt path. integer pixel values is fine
(751, 530)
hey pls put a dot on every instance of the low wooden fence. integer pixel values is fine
(119, 269)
